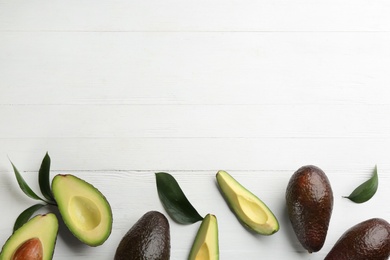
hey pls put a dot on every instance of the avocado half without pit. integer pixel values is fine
(206, 245)
(35, 240)
(84, 209)
(248, 208)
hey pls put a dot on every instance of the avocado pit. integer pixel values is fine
(31, 249)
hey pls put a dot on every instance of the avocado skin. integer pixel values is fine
(309, 200)
(369, 239)
(148, 239)
(48, 244)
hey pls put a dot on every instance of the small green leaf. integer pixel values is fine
(24, 186)
(26, 215)
(366, 190)
(174, 200)
(44, 178)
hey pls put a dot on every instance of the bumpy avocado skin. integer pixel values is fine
(148, 239)
(369, 239)
(309, 200)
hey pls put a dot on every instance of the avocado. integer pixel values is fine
(369, 239)
(205, 246)
(148, 239)
(249, 209)
(84, 209)
(35, 240)
(309, 200)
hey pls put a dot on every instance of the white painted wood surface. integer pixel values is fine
(119, 90)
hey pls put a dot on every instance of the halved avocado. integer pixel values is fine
(84, 209)
(34, 240)
(248, 208)
(206, 246)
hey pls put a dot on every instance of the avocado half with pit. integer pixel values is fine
(249, 209)
(83, 208)
(35, 240)
(206, 245)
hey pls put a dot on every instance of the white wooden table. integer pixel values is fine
(118, 90)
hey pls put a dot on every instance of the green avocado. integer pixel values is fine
(35, 240)
(369, 239)
(248, 208)
(148, 239)
(309, 200)
(84, 209)
(205, 246)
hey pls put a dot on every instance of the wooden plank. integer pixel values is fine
(195, 121)
(172, 15)
(167, 154)
(194, 68)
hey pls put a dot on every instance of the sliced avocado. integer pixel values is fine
(248, 208)
(149, 238)
(84, 209)
(206, 246)
(35, 240)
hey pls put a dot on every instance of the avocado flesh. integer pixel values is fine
(369, 239)
(41, 227)
(205, 246)
(84, 209)
(149, 238)
(309, 201)
(248, 208)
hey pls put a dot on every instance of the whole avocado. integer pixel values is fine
(369, 239)
(309, 200)
(148, 239)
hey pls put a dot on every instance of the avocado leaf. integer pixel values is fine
(24, 186)
(366, 190)
(26, 215)
(174, 200)
(44, 178)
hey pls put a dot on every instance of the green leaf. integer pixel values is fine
(174, 200)
(366, 190)
(44, 178)
(26, 215)
(24, 186)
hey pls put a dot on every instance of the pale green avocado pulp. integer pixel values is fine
(84, 213)
(205, 246)
(248, 208)
(84, 209)
(41, 227)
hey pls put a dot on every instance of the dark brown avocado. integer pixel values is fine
(369, 239)
(148, 239)
(309, 200)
